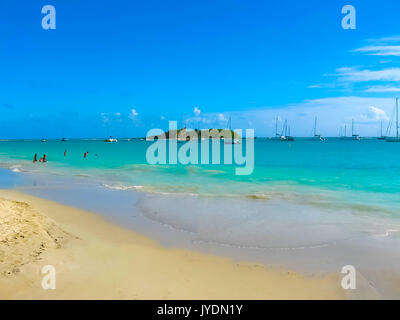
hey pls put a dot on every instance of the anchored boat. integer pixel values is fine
(396, 138)
(382, 137)
(111, 139)
(317, 137)
(285, 136)
(233, 140)
(353, 135)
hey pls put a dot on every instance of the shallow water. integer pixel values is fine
(8, 179)
(365, 172)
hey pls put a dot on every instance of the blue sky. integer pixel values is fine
(123, 67)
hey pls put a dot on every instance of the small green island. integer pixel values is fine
(196, 134)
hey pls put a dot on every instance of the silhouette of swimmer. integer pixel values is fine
(35, 158)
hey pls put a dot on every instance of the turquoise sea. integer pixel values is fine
(335, 172)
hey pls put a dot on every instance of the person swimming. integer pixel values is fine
(35, 158)
(86, 154)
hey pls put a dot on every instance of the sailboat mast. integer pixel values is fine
(285, 128)
(397, 117)
(352, 127)
(276, 127)
(315, 126)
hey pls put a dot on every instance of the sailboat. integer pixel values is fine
(317, 137)
(277, 135)
(381, 137)
(286, 130)
(353, 135)
(232, 140)
(343, 136)
(396, 138)
(289, 137)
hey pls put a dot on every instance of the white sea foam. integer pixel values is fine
(388, 233)
(16, 169)
(122, 187)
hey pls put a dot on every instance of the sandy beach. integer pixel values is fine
(95, 259)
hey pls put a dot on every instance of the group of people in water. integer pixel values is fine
(44, 158)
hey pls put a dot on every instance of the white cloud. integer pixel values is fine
(380, 50)
(162, 117)
(355, 75)
(385, 39)
(315, 86)
(382, 89)
(374, 114)
(221, 117)
(104, 117)
(386, 46)
(133, 114)
(196, 111)
(321, 86)
(117, 114)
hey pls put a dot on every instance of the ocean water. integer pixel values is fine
(363, 174)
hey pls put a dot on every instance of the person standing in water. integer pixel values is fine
(86, 153)
(35, 158)
(65, 153)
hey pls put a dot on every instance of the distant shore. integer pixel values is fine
(95, 259)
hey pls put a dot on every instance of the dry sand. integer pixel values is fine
(95, 259)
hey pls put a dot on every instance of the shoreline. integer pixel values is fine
(100, 260)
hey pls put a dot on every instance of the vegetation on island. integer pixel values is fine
(196, 134)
